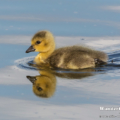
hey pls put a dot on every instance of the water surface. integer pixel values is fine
(77, 94)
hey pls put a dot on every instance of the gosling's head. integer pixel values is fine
(42, 41)
(42, 86)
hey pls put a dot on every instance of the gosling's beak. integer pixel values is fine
(30, 49)
(31, 78)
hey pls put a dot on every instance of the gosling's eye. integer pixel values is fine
(38, 42)
(39, 88)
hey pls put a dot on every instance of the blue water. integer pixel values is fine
(89, 18)
(11, 52)
(62, 17)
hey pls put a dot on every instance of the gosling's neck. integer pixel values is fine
(45, 55)
(42, 56)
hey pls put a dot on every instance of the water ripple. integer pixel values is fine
(113, 64)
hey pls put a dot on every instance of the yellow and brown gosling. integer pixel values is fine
(71, 57)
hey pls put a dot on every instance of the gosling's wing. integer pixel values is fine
(79, 60)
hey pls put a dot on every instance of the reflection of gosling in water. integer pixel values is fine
(74, 57)
(43, 85)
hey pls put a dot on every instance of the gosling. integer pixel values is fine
(71, 57)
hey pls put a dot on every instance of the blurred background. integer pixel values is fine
(62, 17)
